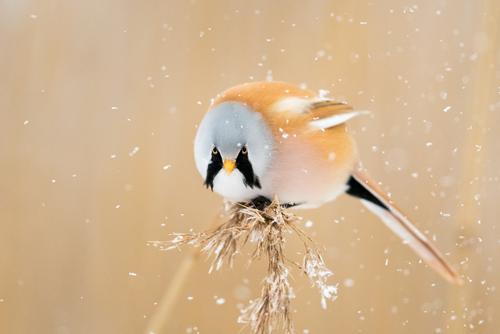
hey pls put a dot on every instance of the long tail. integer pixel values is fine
(375, 200)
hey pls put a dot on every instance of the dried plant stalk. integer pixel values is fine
(272, 309)
(266, 229)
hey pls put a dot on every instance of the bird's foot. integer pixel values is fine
(261, 202)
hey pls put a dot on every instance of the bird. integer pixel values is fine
(264, 140)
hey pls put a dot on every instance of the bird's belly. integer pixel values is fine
(295, 186)
(309, 176)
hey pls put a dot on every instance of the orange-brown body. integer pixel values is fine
(311, 165)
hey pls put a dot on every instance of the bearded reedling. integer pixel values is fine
(264, 140)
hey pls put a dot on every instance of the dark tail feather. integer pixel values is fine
(375, 200)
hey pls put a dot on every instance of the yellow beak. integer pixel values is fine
(229, 166)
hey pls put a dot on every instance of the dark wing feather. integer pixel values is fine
(327, 113)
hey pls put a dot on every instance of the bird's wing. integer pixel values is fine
(375, 200)
(326, 113)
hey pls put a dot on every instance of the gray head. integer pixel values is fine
(233, 149)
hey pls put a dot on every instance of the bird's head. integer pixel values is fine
(232, 149)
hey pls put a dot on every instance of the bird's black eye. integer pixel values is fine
(244, 150)
(215, 151)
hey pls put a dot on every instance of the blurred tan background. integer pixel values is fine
(99, 102)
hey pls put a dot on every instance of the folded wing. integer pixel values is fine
(327, 113)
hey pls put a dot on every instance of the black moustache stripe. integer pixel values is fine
(245, 167)
(242, 164)
(213, 169)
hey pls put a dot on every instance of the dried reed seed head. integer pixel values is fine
(265, 229)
